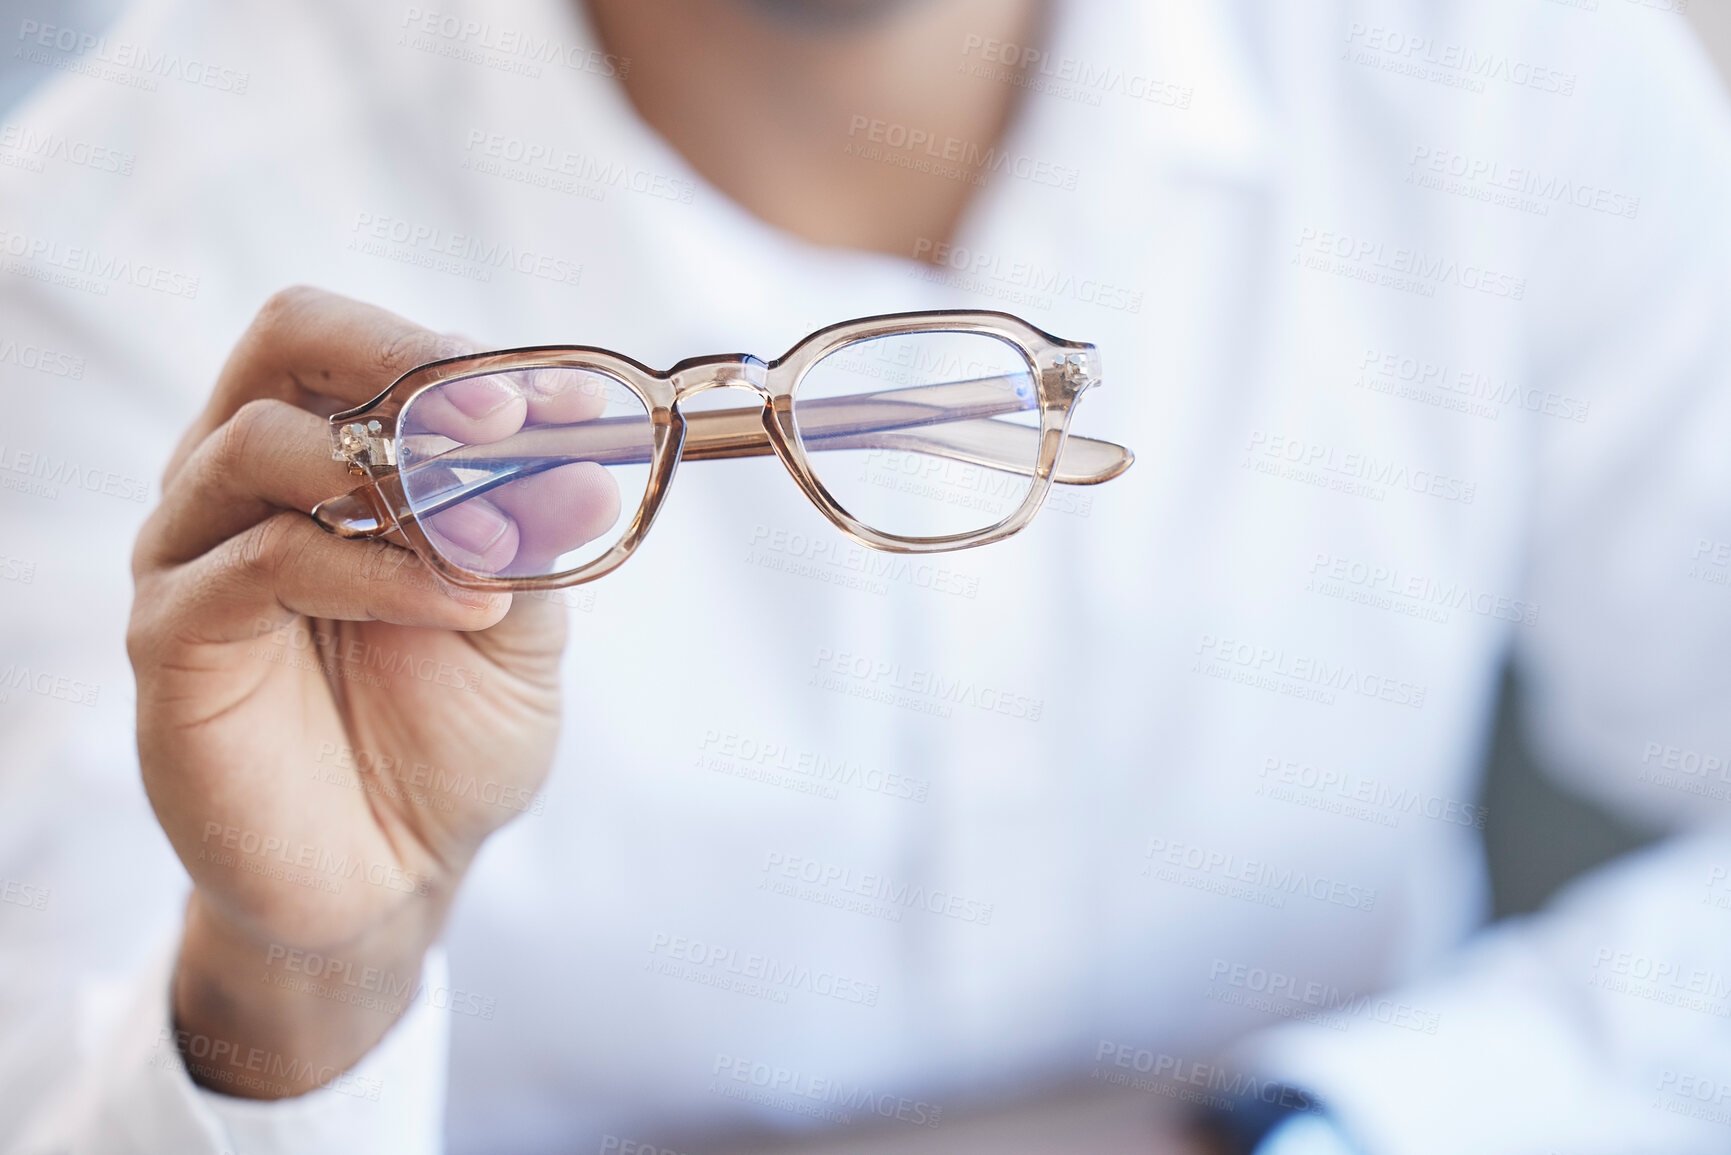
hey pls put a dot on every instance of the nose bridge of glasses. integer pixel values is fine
(724, 371)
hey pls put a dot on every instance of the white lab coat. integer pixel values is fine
(1416, 316)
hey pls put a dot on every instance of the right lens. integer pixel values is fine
(923, 434)
(525, 473)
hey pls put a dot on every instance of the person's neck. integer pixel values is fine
(866, 134)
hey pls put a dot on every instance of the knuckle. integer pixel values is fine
(382, 563)
(239, 435)
(242, 440)
(284, 308)
(407, 349)
(145, 548)
(141, 629)
(391, 574)
(259, 552)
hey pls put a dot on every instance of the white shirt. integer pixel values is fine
(1416, 317)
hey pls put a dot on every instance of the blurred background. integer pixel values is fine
(1537, 837)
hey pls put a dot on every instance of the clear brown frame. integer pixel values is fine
(365, 436)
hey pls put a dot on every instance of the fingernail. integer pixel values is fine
(477, 397)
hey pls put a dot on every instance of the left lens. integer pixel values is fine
(925, 434)
(525, 473)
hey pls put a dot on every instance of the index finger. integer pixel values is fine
(319, 351)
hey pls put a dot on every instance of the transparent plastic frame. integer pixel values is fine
(958, 421)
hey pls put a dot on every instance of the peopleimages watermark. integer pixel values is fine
(501, 47)
(911, 687)
(1399, 267)
(1519, 187)
(301, 863)
(1278, 670)
(41, 359)
(990, 492)
(42, 474)
(1198, 1082)
(88, 269)
(1694, 1096)
(340, 651)
(1686, 770)
(120, 61)
(1355, 796)
(1348, 472)
(1661, 980)
(17, 569)
(1449, 64)
(1710, 562)
(458, 254)
(864, 892)
(1468, 391)
(27, 895)
(1282, 995)
(334, 979)
(926, 151)
(18, 676)
(30, 149)
(1251, 879)
(754, 974)
(1390, 588)
(803, 770)
(1023, 282)
(611, 1144)
(834, 560)
(1718, 889)
(230, 1066)
(551, 166)
(1065, 77)
(815, 1097)
(418, 782)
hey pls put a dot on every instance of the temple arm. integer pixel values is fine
(956, 420)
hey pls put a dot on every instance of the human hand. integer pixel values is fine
(268, 654)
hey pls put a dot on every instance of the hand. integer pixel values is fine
(327, 731)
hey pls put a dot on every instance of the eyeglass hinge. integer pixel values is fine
(363, 445)
(1079, 370)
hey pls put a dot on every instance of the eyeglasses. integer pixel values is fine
(544, 467)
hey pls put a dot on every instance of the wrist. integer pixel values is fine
(261, 1019)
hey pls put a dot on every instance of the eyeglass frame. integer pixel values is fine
(365, 437)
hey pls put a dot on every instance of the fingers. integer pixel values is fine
(285, 565)
(490, 407)
(557, 511)
(523, 527)
(475, 535)
(262, 446)
(269, 457)
(565, 396)
(319, 352)
(471, 410)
